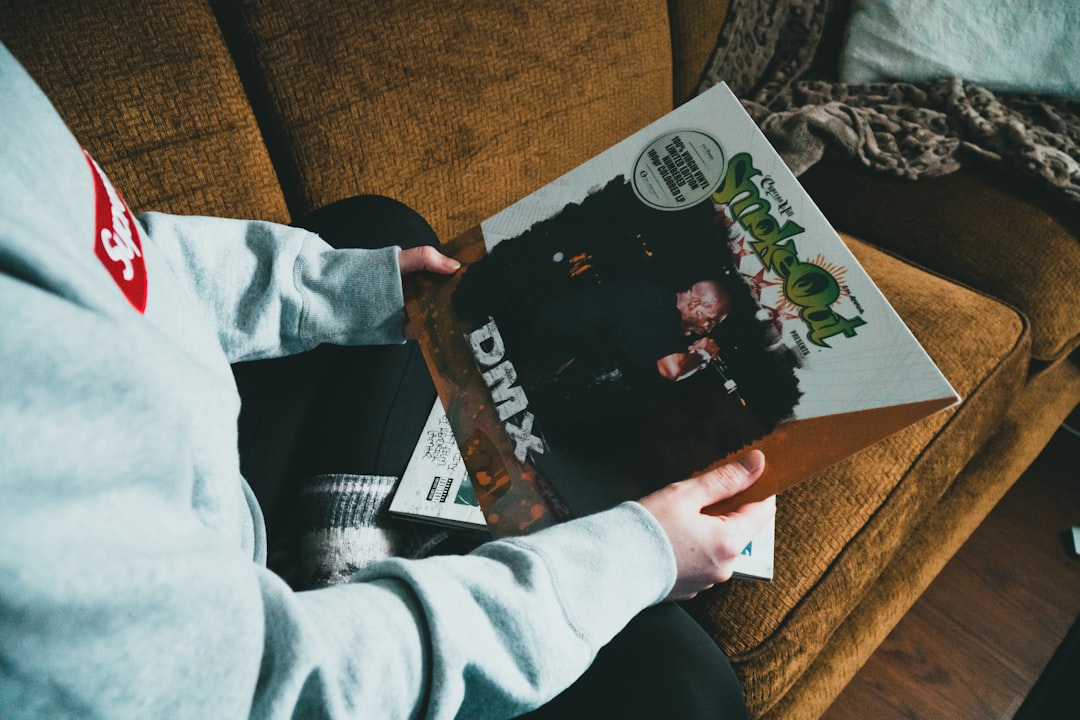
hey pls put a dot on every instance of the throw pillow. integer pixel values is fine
(1027, 46)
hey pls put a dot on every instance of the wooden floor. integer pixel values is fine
(978, 638)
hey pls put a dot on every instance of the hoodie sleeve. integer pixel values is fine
(158, 618)
(492, 634)
(273, 290)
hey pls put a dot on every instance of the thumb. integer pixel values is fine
(730, 479)
(426, 258)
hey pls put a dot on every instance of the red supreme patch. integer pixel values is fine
(116, 239)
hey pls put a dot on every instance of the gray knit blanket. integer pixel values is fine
(777, 56)
(343, 524)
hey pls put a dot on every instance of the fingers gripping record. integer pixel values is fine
(426, 258)
(706, 546)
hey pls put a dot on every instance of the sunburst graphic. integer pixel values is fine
(839, 272)
(781, 309)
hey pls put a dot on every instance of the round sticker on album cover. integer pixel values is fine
(678, 170)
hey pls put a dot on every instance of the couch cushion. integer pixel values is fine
(839, 529)
(1004, 239)
(1034, 416)
(447, 106)
(150, 91)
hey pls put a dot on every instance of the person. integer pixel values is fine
(595, 357)
(624, 330)
(133, 578)
(702, 306)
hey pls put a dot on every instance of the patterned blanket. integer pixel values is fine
(779, 57)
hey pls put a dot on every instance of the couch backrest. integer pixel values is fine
(263, 108)
(454, 107)
(150, 90)
(695, 27)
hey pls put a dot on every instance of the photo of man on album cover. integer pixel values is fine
(638, 344)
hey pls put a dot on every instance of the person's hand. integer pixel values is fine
(424, 259)
(708, 345)
(706, 546)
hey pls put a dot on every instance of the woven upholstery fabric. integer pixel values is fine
(1002, 240)
(149, 89)
(1034, 416)
(453, 107)
(837, 530)
(695, 26)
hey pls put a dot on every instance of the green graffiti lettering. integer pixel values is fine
(833, 324)
(807, 285)
(738, 180)
(766, 245)
(782, 260)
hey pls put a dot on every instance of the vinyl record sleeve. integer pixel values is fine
(663, 307)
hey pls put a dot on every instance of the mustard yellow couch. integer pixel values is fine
(270, 108)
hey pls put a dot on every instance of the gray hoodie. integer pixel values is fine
(132, 575)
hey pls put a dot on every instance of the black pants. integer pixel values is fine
(360, 410)
(335, 409)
